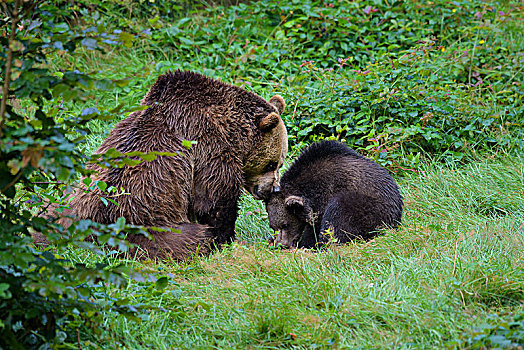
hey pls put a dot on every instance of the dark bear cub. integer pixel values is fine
(332, 190)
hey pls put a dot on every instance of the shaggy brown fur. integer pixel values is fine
(196, 191)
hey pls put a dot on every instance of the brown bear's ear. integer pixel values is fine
(278, 102)
(269, 122)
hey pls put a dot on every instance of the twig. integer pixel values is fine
(408, 169)
(15, 18)
(294, 111)
(6, 9)
(48, 182)
(455, 260)
(17, 177)
(44, 209)
(472, 57)
(8, 62)
(78, 338)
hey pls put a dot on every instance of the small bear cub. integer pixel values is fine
(331, 190)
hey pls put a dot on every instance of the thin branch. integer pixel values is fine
(17, 177)
(29, 9)
(471, 59)
(47, 182)
(9, 61)
(6, 9)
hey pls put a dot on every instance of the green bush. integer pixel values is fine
(398, 108)
(396, 80)
(46, 300)
(499, 332)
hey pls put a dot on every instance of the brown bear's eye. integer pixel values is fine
(271, 166)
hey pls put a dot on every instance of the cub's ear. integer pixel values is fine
(269, 122)
(300, 208)
(295, 203)
(278, 102)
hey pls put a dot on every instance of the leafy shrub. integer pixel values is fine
(499, 332)
(45, 299)
(399, 107)
(318, 30)
(393, 79)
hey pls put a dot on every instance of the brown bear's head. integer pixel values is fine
(263, 162)
(288, 216)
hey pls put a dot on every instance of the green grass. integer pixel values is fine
(456, 260)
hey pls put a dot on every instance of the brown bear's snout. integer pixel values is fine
(263, 192)
(256, 192)
(267, 184)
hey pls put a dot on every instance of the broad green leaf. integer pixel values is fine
(102, 185)
(161, 283)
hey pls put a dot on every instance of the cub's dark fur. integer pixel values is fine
(332, 187)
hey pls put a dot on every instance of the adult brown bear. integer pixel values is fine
(241, 141)
(330, 187)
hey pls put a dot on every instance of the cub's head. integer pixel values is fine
(262, 164)
(288, 216)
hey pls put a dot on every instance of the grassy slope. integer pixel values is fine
(456, 260)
